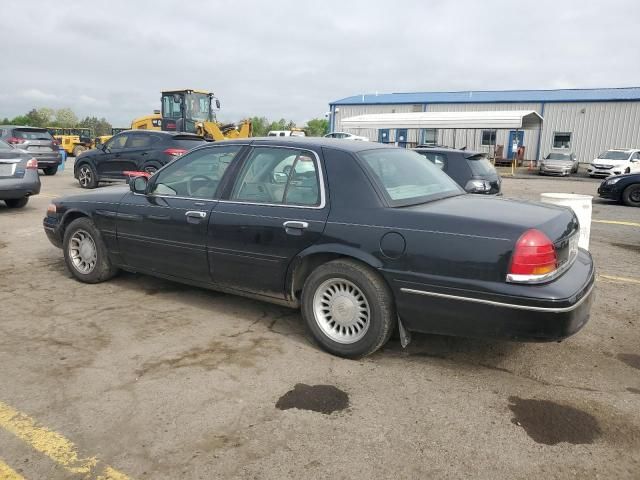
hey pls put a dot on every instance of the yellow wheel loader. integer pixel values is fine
(103, 138)
(74, 141)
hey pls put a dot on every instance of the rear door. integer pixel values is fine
(275, 208)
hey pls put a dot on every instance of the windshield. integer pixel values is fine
(558, 156)
(614, 155)
(405, 178)
(481, 166)
(32, 134)
(198, 106)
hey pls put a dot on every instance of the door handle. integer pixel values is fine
(196, 214)
(295, 225)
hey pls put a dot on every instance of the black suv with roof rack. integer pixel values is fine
(471, 170)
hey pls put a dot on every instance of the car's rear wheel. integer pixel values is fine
(631, 195)
(17, 202)
(50, 170)
(85, 252)
(348, 308)
(87, 176)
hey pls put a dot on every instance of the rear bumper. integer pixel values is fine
(46, 160)
(551, 312)
(555, 171)
(20, 187)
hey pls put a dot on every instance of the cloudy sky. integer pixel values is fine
(290, 59)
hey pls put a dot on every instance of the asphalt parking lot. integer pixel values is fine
(143, 378)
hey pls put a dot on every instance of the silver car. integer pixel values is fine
(558, 164)
(19, 177)
(38, 142)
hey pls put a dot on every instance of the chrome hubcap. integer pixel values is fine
(84, 176)
(341, 310)
(83, 252)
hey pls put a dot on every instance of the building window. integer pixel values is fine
(430, 136)
(488, 137)
(562, 140)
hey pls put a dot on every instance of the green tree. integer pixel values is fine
(259, 126)
(39, 117)
(100, 126)
(21, 120)
(317, 127)
(66, 118)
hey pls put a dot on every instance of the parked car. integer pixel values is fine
(131, 150)
(286, 133)
(615, 162)
(358, 235)
(38, 142)
(622, 188)
(346, 136)
(558, 164)
(19, 177)
(471, 170)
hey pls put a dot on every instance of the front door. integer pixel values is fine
(383, 135)
(516, 139)
(401, 137)
(276, 209)
(165, 231)
(113, 162)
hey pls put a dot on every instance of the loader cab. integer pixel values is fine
(182, 109)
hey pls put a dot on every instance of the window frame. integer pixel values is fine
(493, 131)
(553, 140)
(226, 197)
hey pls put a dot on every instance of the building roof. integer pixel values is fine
(497, 96)
(511, 119)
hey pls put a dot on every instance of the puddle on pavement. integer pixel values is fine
(631, 359)
(317, 398)
(550, 423)
(633, 390)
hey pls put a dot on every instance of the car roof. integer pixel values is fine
(23, 126)
(309, 142)
(623, 150)
(160, 132)
(434, 148)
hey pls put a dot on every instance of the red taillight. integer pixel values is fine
(56, 141)
(176, 152)
(534, 257)
(15, 140)
(32, 164)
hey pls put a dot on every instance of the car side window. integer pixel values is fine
(138, 140)
(117, 142)
(278, 176)
(196, 174)
(438, 159)
(635, 156)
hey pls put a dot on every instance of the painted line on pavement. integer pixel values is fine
(613, 278)
(617, 222)
(8, 473)
(52, 444)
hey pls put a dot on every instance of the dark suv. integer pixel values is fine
(471, 170)
(38, 142)
(132, 150)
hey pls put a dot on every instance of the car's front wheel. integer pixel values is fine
(17, 202)
(85, 252)
(631, 195)
(87, 176)
(348, 308)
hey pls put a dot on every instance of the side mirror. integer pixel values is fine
(217, 104)
(139, 185)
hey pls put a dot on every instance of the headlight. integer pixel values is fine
(611, 181)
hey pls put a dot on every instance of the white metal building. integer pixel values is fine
(583, 121)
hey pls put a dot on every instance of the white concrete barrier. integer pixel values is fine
(581, 204)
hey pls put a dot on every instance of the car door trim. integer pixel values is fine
(502, 304)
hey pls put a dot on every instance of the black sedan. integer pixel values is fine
(361, 236)
(622, 188)
(19, 177)
(132, 150)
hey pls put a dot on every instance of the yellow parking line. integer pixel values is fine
(8, 473)
(617, 222)
(111, 474)
(620, 279)
(50, 443)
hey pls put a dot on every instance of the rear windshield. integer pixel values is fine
(187, 142)
(481, 166)
(558, 156)
(405, 178)
(32, 134)
(614, 155)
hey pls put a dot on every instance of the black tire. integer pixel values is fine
(631, 195)
(102, 269)
(382, 313)
(87, 177)
(50, 170)
(17, 202)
